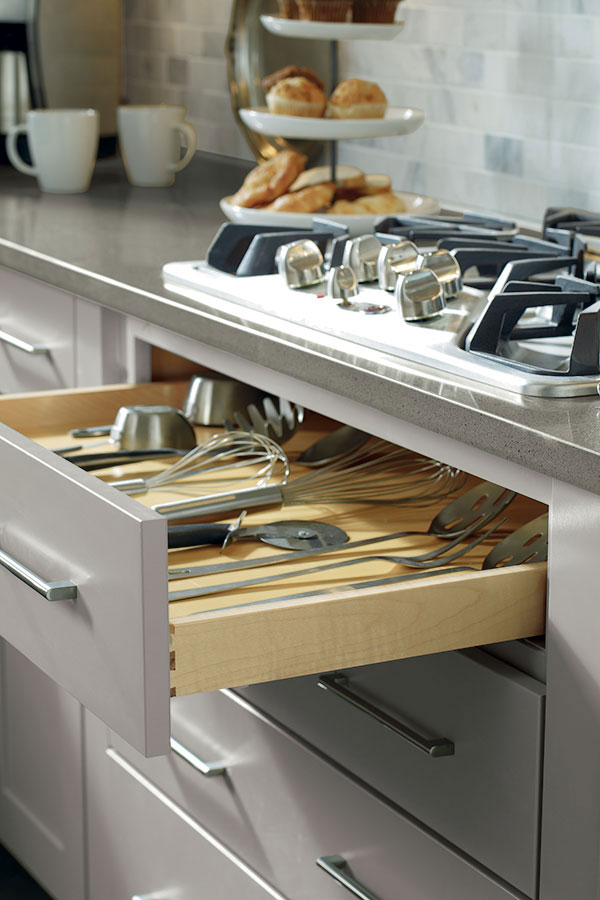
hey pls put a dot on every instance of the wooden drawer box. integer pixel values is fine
(281, 808)
(485, 797)
(110, 646)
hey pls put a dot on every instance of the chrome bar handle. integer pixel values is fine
(25, 346)
(209, 770)
(338, 868)
(337, 684)
(51, 590)
(155, 895)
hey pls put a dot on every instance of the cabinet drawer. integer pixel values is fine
(281, 807)
(142, 846)
(492, 714)
(37, 335)
(109, 646)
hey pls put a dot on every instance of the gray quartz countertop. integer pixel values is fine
(109, 246)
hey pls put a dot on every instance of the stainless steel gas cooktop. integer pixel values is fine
(466, 295)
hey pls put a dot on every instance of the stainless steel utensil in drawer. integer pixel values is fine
(454, 738)
(306, 827)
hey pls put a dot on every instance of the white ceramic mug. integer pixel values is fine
(63, 144)
(150, 139)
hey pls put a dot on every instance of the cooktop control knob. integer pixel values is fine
(445, 266)
(300, 263)
(342, 284)
(361, 254)
(420, 295)
(396, 259)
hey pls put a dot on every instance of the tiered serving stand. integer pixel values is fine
(397, 120)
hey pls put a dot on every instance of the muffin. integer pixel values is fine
(378, 11)
(325, 10)
(288, 9)
(356, 99)
(296, 97)
(269, 81)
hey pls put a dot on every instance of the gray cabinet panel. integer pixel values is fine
(280, 807)
(41, 776)
(485, 798)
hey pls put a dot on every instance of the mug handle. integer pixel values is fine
(191, 143)
(11, 150)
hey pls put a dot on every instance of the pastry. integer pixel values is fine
(379, 11)
(371, 184)
(308, 200)
(296, 97)
(346, 178)
(377, 205)
(325, 10)
(270, 179)
(270, 81)
(288, 9)
(357, 99)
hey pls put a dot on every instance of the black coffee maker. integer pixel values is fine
(60, 54)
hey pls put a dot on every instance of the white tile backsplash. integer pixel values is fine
(511, 91)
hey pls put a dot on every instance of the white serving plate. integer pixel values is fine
(331, 31)
(397, 120)
(416, 205)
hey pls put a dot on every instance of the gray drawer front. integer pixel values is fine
(280, 807)
(484, 798)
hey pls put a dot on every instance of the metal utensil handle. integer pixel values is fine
(51, 590)
(435, 747)
(25, 346)
(338, 868)
(219, 503)
(208, 769)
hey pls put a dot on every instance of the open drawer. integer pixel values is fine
(109, 646)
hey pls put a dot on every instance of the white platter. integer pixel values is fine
(331, 31)
(416, 205)
(397, 120)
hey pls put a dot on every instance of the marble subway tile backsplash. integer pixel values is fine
(511, 90)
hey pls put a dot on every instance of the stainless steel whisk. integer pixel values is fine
(220, 453)
(375, 474)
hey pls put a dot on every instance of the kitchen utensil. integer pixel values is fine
(290, 534)
(212, 398)
(419, 561)
(356, 586)
(333, 446)
(381, 474)
(419, 295)
(221, 452)
(92, 461)
(476, 507)
(149, 427)
(527, 544)
(278, 424)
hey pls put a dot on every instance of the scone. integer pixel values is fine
(379, 11)
(378, 205)
(269, 82)
(371, 184)
(309, 200)
(325, 10)
(296, 97)
(347, 178)
(357, 99)
(270, 179)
